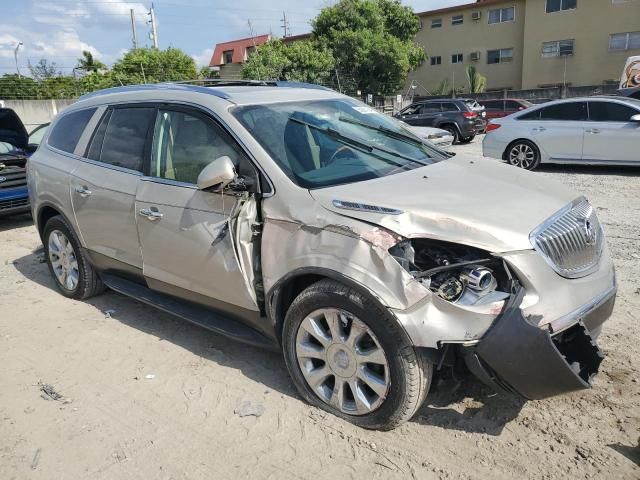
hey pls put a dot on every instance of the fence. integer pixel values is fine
(37, 112)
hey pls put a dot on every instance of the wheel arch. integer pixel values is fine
(45, 212)
(282, 294)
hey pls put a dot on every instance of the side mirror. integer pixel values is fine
(219, 173)
(636, 118)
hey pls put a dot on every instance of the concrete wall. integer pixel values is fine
(35, 112)
(589, 25)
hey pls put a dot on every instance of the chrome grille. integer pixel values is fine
(571, 241)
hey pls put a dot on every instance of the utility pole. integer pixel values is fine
(15, 55)
(285, 24)
(154, 33)
(255, 47)
(133, 30)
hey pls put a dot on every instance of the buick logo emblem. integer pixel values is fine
(590, 232)
(3, 179)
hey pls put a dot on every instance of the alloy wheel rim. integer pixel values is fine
(522, 155)
(63, 260)
(342, 361)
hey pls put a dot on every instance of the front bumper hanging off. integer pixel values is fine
(519, 357)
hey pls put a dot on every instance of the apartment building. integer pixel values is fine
(522, 44)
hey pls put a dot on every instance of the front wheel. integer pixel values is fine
(453, 131)
(468, 139)
(346, 356)
(523, 154)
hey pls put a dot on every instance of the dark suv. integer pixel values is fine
(452, 115)
(14, 197)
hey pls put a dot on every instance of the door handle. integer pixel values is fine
(539, 129)
(83, 191)
(593, 130)
(149, 214)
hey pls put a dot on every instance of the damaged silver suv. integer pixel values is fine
(297, 218)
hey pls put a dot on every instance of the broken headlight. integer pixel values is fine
(456, 273)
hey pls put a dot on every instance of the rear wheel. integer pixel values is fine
(347, 357)
(452, 129)
(523, 154)
(74, 275)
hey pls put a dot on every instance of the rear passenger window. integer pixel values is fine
(68, 130)
(511, 105)
(610, 112)
(120, 139)
(534, 115)
(573, 111)
(449, 107)
(431, 108)
(492, 105)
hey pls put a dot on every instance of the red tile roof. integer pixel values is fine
(239, 48)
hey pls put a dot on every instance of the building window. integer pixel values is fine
(457, 58)
(227, 56)
(436, 60)
(558, 5)
(501, 15)
(624, 41)
(560, 48)
(436, 23)
(457, 20)
(502, 55)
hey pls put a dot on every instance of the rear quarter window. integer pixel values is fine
(67, 131)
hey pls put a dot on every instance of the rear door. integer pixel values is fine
(196, 244)
(559, 131)
(610, 135)
(103, 187)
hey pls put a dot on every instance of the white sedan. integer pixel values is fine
(440, 138)
(593, 131)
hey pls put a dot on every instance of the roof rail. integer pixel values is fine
(203, 86)
(218, 82)
(156, 86)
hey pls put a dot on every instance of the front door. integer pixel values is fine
(192, 244)
(560, 130)
(422, 115)
(611, 136)
(103, 187)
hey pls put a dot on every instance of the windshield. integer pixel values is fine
(331, 142)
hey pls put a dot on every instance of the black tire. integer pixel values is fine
(521, 146)
(89, 283)
(468, 139)
(453, 130)
(410, 372)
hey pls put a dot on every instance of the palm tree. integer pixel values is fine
(90, 64)
(477, 82)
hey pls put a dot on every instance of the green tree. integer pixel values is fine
(150, 65)
(13, 87)
(477, 82)
(298, 62)
(372, 41)
(207, 73)
(89, 64)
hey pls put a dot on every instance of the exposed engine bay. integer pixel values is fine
(459, 274)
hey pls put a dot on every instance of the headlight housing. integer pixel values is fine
(459, 274)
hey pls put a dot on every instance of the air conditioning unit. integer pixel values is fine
(476, 15)
(475, 56)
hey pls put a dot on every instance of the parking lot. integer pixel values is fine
(110, 388)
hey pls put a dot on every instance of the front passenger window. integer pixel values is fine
(184, 143)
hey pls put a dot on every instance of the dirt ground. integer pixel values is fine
(144, 395)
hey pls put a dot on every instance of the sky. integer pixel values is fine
(59, 30)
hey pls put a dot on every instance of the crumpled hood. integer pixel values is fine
(468, 200)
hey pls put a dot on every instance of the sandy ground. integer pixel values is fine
(147, 396)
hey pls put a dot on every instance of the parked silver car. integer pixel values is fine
(440, 138)
(301, 219)
(594, 131)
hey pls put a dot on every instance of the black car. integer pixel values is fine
(453, 115)
(14, 196)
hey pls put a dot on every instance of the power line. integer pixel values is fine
(285, 24)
